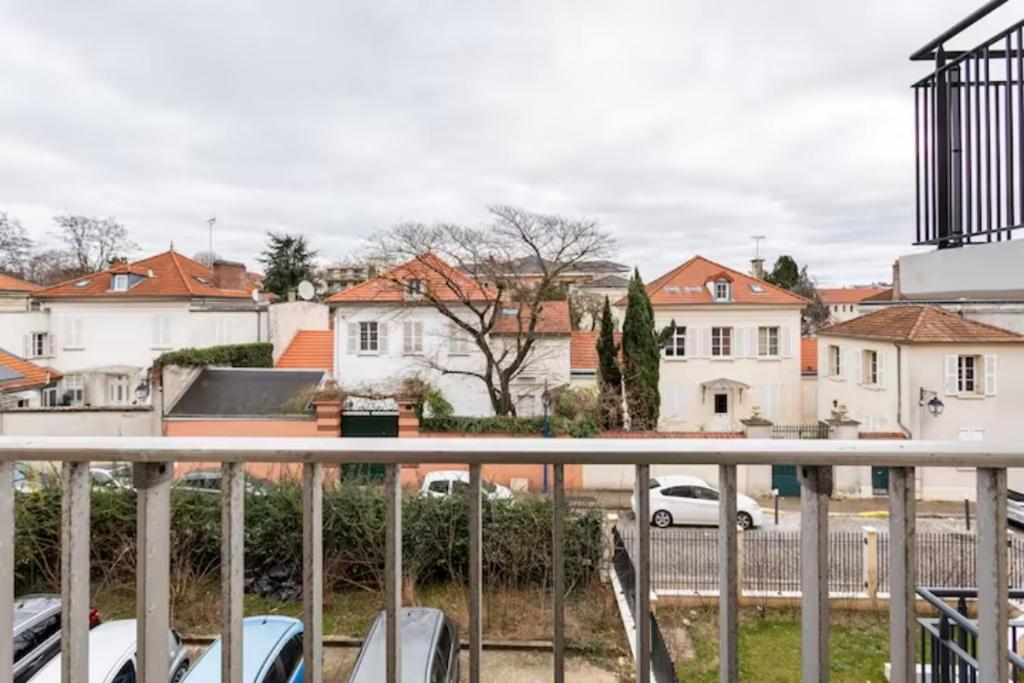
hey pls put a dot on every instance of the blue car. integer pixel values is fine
(271, 653)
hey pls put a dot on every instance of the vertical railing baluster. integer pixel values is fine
(393, 572)
(993, 620)
(74, 572)
(232, 570)
(153, 567)
(558, 571)
(902, 571)
(642, 613)
(313, 572)
(728, 577)
(475, 572)
(6, 569)
(814, 493)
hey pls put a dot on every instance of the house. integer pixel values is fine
(103, 330)
(735, 345)
(15, 294)
(583, 359)
(590, 295)
(386, 332)
(808, 380)
(530, 269)
(22, 383)
(843, 302)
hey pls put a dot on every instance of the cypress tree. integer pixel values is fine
(641, 359)
(609, 374)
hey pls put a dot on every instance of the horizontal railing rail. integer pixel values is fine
(154, 460)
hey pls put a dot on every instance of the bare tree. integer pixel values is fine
(206, 258)
(92, 243)
(15, 246)
(491, 282)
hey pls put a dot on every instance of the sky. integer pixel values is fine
(683, 127)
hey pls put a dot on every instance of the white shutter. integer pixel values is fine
(407, 337)
(858, 368)
(785, 342)
(382, 338)
(704, 334)
(950, 383)
(752, 340)
(881, 369)
(49, 345)
(26, 346)
(843, 362)
(991, 370)
(353, 337)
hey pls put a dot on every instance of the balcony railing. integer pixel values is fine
(154, 458)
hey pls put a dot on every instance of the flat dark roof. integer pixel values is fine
(248, 392)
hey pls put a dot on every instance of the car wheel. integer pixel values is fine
(745, 521)
(661, 519)
(180, 673)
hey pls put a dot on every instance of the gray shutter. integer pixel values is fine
(353, 337)
(991, 372)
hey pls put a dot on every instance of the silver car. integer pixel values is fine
(430, 649)
(36, 633)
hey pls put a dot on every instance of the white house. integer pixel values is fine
(103, 330)
(22, 383)
(735, 345)
(386, 332)
(844, 302)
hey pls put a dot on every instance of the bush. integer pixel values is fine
(435, 538)
(259, 355)
(575, 403)
(494, 424)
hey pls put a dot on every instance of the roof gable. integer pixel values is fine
(920, 324)
(9, 283)
(686, 285)
(441, 280)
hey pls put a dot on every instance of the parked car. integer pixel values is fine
(32, 477)
(37, 632)
(209, 482)
(430, 649)
(271, 653)
(1015, 507)
(446, 482)
(105, 479)
(682, 499)
(112, 657)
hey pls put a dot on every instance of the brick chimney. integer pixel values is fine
(757, 268)
(896, 295)
(229, 275)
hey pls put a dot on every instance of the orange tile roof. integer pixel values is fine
(809, 355)
(440, 279)
(309, 350)
(672, 435)
(583, 349)
(686, 285)
(849, 295)
(9, 283)
(920, 324)
(552, 319)
(883, 436)
(32, 375)
(173, 275)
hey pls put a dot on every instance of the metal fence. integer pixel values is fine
(812, 431)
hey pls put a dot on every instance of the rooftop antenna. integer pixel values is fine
(210, 222)
(757, 245)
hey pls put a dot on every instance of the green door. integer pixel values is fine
(880, 481)
(785, 480)
(366, 423)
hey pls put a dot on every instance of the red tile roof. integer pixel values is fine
(32, 375)
(672, 435)
(165, 275)
(583, 349)
(883, 436)
(686, 285)
(440, 279)
(309, 350)
(809, 355)
(920, 324)
(849, 295)
(9, 283)
(552, 319)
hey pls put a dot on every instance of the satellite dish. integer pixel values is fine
(255, 295)
(306, 291)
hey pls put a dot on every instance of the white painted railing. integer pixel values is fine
(154, 458)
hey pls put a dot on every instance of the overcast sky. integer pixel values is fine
(684, 127)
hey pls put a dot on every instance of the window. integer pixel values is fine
(869, 368)
(971, 434)
(50, 397)
(161, 331)
(369, 337)
(678, 492)
(415, 288)
(71, 391)
(441, 657)
(72, 333)
(721, 341)
(119, 283)
(721, 404)
(286, 662)
(767, 341)
(459, 341)
(117, 390)
(967, 374)
(705, 493)
(38, 345)
(676, 347)
(439, 486)
(412, 337)
(835, 361)
(972, 375)
(721, 290)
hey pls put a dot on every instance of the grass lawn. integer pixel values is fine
(770, 644)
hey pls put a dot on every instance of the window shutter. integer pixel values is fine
(739, 342)
(950, 382)
(26, 346)
(785, 342)
(991, 371)
(407, 337)
(49, 345)
(881, 370)
(858, 368)
(353, 337)
(841, 350)
(752, 341)
(382, 337)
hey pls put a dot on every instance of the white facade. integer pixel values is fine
(763, 353)
(376, 347)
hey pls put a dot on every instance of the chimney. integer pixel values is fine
(757, 268)
(896, 280)
(229, 275)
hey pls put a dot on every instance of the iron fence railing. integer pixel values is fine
(808, 431)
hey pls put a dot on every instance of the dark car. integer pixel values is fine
(37, 633)
(209, 482)
(430, 649)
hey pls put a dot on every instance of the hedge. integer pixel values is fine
(435, 539)
(255, 355)
(582, 427)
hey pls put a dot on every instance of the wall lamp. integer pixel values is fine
(930, 400)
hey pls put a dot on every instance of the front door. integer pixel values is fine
(722, 421)
(880, 481)
(784, 479)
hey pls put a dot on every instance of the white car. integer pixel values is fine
(446, 482)
(682, 499)
(112, 656)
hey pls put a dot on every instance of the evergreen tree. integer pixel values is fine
(609, 374)
(288, 260)
(641, 358)
(785, 273)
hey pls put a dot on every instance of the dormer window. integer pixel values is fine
(722, 290)
(119, 283)
(415, 288)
